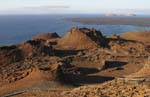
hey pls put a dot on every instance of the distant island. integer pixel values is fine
(114, 14)
(113, 19)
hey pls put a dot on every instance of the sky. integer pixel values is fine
(74, 6)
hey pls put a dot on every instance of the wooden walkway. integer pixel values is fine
(137, 80)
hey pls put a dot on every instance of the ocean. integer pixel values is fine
(18, 28)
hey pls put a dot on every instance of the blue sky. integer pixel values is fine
(73, 6)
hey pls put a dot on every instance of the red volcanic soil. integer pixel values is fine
(81, 38)
(30, 77)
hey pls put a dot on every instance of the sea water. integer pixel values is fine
(18, 28)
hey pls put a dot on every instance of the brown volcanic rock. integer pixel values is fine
(73, 69)
(81, 38)
(35, 47)
(46, 36)
(31, 48)
(10, 54)
(142, 36)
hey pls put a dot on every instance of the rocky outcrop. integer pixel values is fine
(82, 38)
(10, 54)
(32, 48)
(46, 36)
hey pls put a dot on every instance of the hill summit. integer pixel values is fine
(46, 36)
(82, 38)
(141, 36)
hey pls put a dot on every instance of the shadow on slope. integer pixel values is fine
(113, 64)
(77, 76)
(63, 53)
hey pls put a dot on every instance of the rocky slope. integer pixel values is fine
(82, 38)
(142, 36)
(54, 65)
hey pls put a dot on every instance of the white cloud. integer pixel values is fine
(37, 10)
